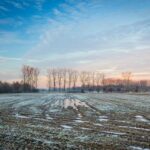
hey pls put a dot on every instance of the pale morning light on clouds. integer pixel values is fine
(103, 35)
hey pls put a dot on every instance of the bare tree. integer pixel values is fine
(54, 76)
(24, 74)
(83, 79)
(50, 79)
(93, 79)
(98, 80)
(74, 78)
(36, 74)
(127, 77)
(64, 78)
(103, 80)
(88, 80)
(70, 77)
(60, 77)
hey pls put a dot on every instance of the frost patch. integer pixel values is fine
(122, 121)
(79, 115)
(38, 126)
(21, 116)
(66, 127)
(44, 141)
(48, 117)
(106, 107)
(137, 148)
(141, 119)
(85, 128)
(1, 127)
(128, 127)
(115, 133)
(53, 110)
(74, 103)
(40, 119)
(103, 118)
(82, 138)
(80, 121)
(98, 124)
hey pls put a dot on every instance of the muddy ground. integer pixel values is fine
(75, 121)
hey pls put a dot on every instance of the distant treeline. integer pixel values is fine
(120, 87)
(140, 86)
(60, 79)
(16, 87)
(69, 80)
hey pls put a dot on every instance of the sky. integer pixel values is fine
(109, 36)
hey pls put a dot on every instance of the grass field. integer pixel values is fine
(75, 121)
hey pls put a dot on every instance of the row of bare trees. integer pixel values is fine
(63, 79)
(72, 80)
(68, 79)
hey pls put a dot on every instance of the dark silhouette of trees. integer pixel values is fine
(15, 87)
(126, 78)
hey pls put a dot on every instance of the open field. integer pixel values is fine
(75, 121)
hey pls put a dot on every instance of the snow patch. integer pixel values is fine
(128, 127)
(54, 110)
(21, 116)
(115, 133)
(74, 103)
(141, 119)
(137, 148)
(82, 138)
(48, 117)
(80, 121)
(38, 126)
(98, 124)
(44, 141)
(103, 118)
(1, 127)
(122, 121)
(66, 127)
(41, 119)
(85, 128)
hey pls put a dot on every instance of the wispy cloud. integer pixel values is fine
(6, 59)
(3, 59)
(39, 4)
(15, 4)
(69, 37)
(3, 8)
(6, 21)
(8, 37)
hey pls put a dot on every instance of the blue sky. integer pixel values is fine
(111, 36)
